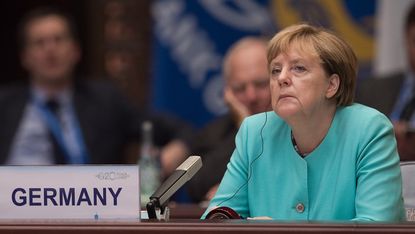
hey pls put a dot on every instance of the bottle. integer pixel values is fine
(149, 164)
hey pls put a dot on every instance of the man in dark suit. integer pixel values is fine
(57, 118)
(394, 95)
(106, 122)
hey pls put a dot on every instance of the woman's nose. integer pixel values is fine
(284, 78)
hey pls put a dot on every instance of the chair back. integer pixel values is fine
(408, 188)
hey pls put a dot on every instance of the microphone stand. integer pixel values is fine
(151, 208)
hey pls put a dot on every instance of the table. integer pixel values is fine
(195, 226)
(185, 219)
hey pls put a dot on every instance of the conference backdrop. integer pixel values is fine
(192, 36)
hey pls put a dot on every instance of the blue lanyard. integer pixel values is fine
(56, 129)
(82, 158)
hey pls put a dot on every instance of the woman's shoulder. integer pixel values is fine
(264, 123)
(358, 114)
(360, 109)
(263, 118)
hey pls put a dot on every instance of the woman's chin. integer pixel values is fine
(285, 112)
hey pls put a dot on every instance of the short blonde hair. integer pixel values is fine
(336, 55)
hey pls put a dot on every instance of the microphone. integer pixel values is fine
(180, 176)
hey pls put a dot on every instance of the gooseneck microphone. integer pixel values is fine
(180, 176)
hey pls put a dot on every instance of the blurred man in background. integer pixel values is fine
(58, 118)
(394, 95)
(246, 92)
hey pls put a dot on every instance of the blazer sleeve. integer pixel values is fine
(378, 175)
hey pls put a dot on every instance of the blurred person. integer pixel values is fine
(58, 118)
(246, 92)
(394, 95)
(317, 156)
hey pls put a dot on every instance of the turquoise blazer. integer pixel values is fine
(353, 174)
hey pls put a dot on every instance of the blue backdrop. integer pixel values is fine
(191, 37)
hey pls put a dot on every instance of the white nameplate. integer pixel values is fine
(69, 192)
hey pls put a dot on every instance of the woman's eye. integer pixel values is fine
(299, 69)
(275, 71)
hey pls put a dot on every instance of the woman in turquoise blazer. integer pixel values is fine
(317, 156)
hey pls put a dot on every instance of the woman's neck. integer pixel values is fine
(309, 132)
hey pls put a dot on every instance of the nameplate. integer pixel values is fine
(69, 192)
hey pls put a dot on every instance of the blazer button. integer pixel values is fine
(300, 207)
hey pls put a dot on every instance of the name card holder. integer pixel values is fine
(70, 192)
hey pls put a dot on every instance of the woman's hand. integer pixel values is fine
(259, 218)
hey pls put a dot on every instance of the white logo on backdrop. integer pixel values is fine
(247, 15)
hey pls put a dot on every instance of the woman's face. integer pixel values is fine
(299, 85)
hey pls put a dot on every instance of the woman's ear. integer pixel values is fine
(334, 84)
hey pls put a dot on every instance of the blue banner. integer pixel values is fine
(192, 36)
